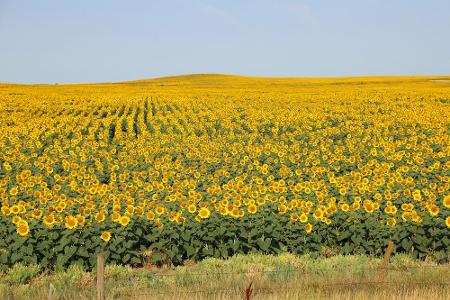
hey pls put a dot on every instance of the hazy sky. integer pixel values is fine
(90, 41)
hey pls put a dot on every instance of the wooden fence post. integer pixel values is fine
(387, 256)
(100, 276)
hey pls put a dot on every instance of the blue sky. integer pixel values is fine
(96, 41)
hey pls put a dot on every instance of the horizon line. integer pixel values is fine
(438, 76)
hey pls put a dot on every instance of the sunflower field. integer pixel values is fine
(202, 166)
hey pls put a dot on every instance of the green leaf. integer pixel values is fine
(343, 236)
(264, 244)
(406, 244)
(69, 251)
(82, 252)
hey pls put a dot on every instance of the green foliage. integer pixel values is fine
(174, 243)
(21, 274)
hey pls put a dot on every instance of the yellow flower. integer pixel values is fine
(160, 209)
(124, 220)
(318, 214)
(115, 217)
(16, 219)
(303, 218)
(252, 208)
(49, 220)
(150, 215)
(405, 216)
(14, 191)
(368, 207)
(433, 210)
(447, 221)
(106, 236)
(235, 212)
(6, 210)
(391, 221)
(22, 228)
(204, 213)
(345, 207)
(192, 208)
(71, 222)
(80, 219)
(282, 209)
(446, 201)
(100, 217)
(308, 228)
(294, 217)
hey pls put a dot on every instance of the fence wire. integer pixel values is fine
(301, 286)
(298, 270)
(275, 289)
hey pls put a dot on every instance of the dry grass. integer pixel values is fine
(274, 277)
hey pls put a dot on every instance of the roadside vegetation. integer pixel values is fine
(273, 277)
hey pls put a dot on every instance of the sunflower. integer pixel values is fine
(234, 212)
(204, 213)
(22, 228)
(308, 228)
(303, 218)
(130, 210)
(252, 208)
(14, 191)
(15, 209)
(80, 219)
(391, 221)
(6, 210)
(447, 221)
(105, 236)
(433, 210)
(49, 220)
(173, 217)
(294, 217)
(150, 215)
(318, 214)
(160, 209)
(368, 207)
(159, 223)
(345, 207)
(326, 220)
(446, 201)
(115, 217)
(282, 209)
(100, 217)
(71, 222)
(192, 208)
(405, 216)
(16, 220)
(124, 220)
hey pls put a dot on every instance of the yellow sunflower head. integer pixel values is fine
(433, 210)
(303, 218)
(204, 213)
(124, 220)
(71, 222)
(105, 236)
(308, 228)
(22, 228)
(192, 208)
(446, 201)
(252, 208)
(100, 217)
(150, 215)
(49, 220)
